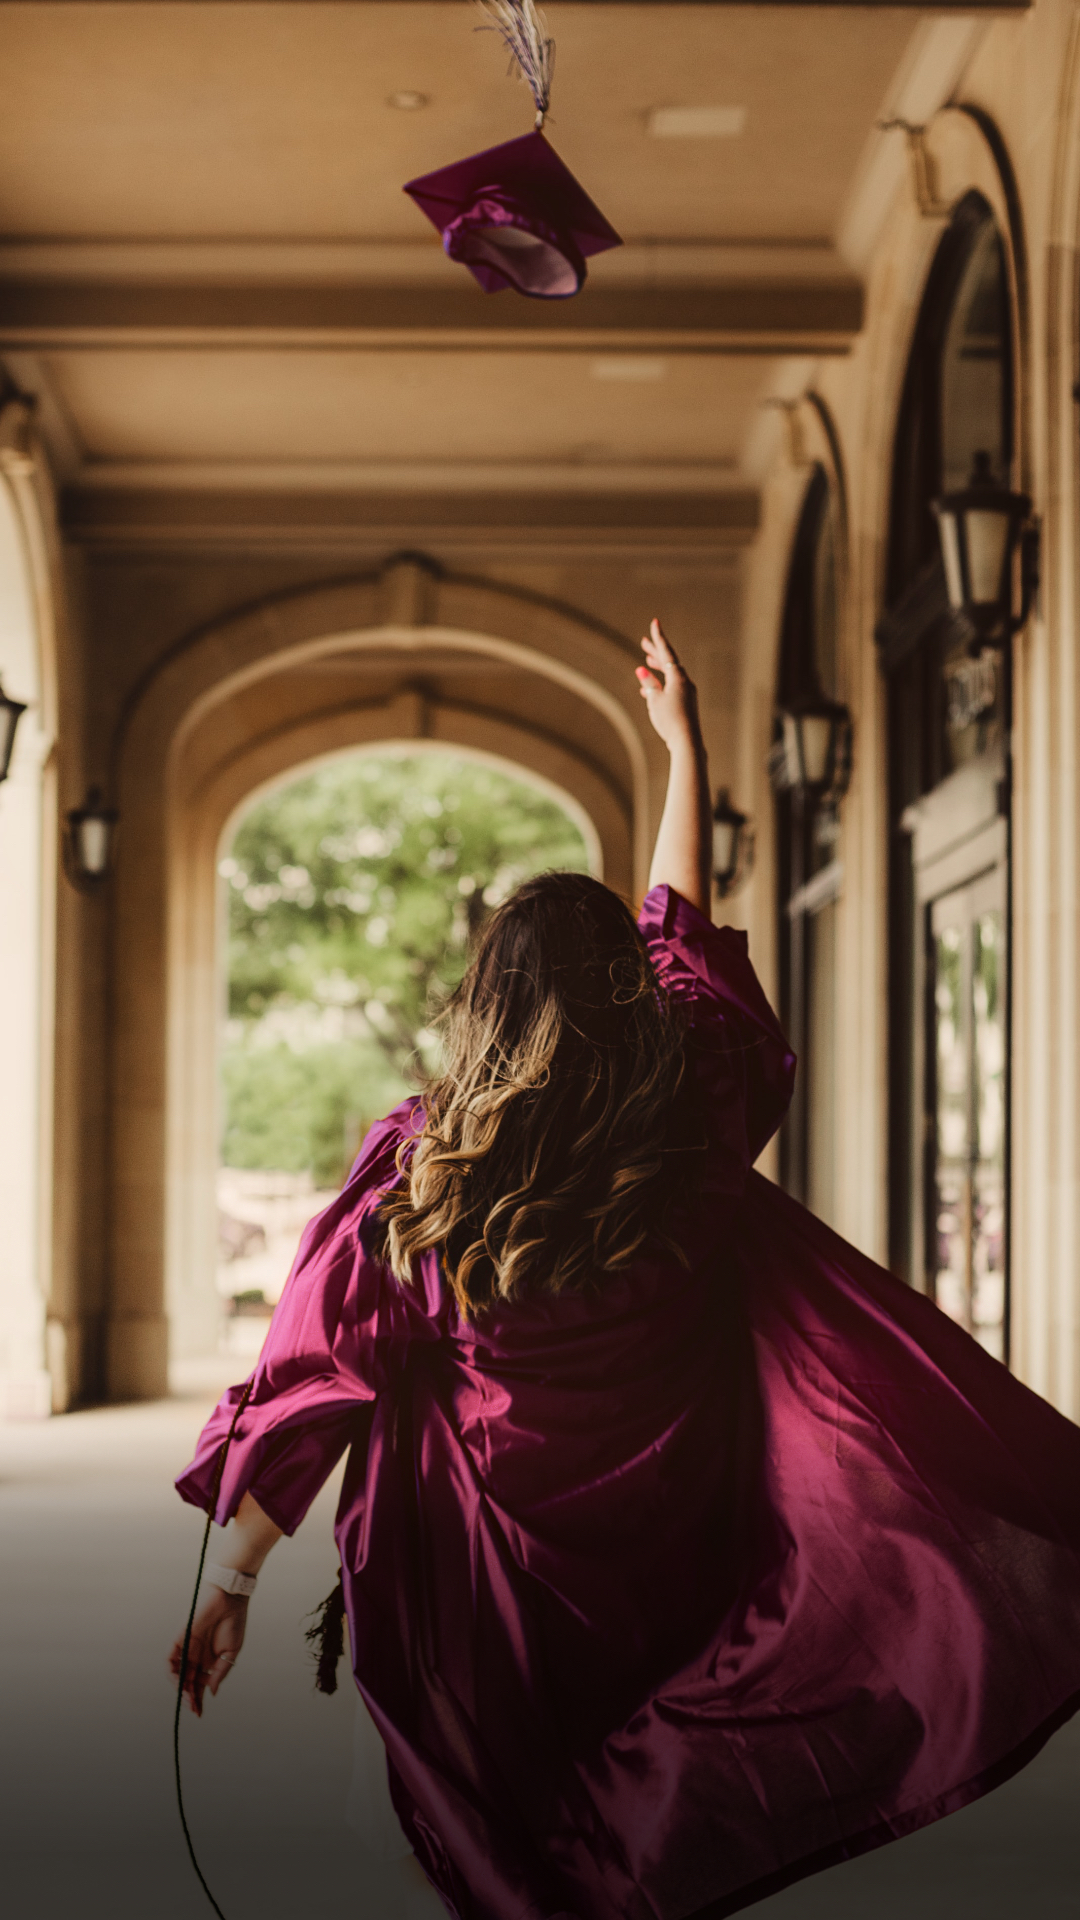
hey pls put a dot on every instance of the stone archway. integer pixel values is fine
(406, 655)
(27, 929)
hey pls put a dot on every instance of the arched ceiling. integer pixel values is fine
(232, 315)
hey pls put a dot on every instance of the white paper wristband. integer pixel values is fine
(229, 1579)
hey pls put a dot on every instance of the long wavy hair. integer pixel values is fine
(562, 1130)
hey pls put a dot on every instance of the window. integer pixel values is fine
(948, 806)
(808, 871)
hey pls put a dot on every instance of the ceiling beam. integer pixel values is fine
(114, 517)
(939, 6)
(766, 317)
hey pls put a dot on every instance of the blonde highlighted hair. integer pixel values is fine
(562, 1130)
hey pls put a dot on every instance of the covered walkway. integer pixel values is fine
(277, 482)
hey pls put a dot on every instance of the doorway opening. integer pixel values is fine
(349, 900)
(26, 1390)
(808, 871)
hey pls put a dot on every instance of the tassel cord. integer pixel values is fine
(326, 1638)
(523, 30)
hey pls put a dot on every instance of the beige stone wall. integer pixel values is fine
(1024, 74)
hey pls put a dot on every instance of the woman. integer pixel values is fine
(684, 1551)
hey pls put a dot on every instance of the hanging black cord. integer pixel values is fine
(186, 1648)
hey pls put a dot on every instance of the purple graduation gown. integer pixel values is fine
(665, 1595)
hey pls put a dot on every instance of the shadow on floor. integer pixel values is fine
(97, 1562)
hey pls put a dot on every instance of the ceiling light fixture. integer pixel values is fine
(407, 100)
(627, 366)
(696, 123)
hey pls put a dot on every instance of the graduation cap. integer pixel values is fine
(516, 217)
(514, 214)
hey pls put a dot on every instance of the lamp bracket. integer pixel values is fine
(1030, 574)
(923, 169)
(796, 433)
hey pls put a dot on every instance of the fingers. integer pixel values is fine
(198, 1668)
(193, 1678)
(220, 1670)
(660, 654)
(651, 675)
(662, 644)
(217, 1636)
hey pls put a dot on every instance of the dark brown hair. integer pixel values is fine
(560, 1131)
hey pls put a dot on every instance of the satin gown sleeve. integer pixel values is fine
(739, 1053)
(338, 1338)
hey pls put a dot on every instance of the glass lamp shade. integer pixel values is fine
(93, 843)
(16, 436)
(729, 843)
(11, 712)
(809, 751)
(980, 529)
(90, 830)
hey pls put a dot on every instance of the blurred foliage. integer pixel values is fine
(303, 1111)
(353, 896)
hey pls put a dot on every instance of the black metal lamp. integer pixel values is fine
(11, 712)
(16, 435)
(813, 752)
(981, 528)
(732, 845)
(88, 845)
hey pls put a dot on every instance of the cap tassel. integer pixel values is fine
(523, 28)
(327, 1639)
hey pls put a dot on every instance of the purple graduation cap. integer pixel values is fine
(515, 215)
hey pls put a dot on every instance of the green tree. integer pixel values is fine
(353, 894)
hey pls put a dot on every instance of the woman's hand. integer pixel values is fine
(217, 1635)
(217, 1631)
(683, 854)
(669, 694)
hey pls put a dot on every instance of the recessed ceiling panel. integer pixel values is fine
(399, 406)
(179, 120)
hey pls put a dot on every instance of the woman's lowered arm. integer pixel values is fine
(682, 857)
(217, 1631)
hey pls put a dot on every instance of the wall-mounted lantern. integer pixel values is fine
(981, 529)
(813, 752)
(11, 712)
(88, 843)
(16, 435)
(732, 845)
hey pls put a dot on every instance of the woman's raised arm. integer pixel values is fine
(682, 857)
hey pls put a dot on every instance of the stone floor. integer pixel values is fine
(96, 1561)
